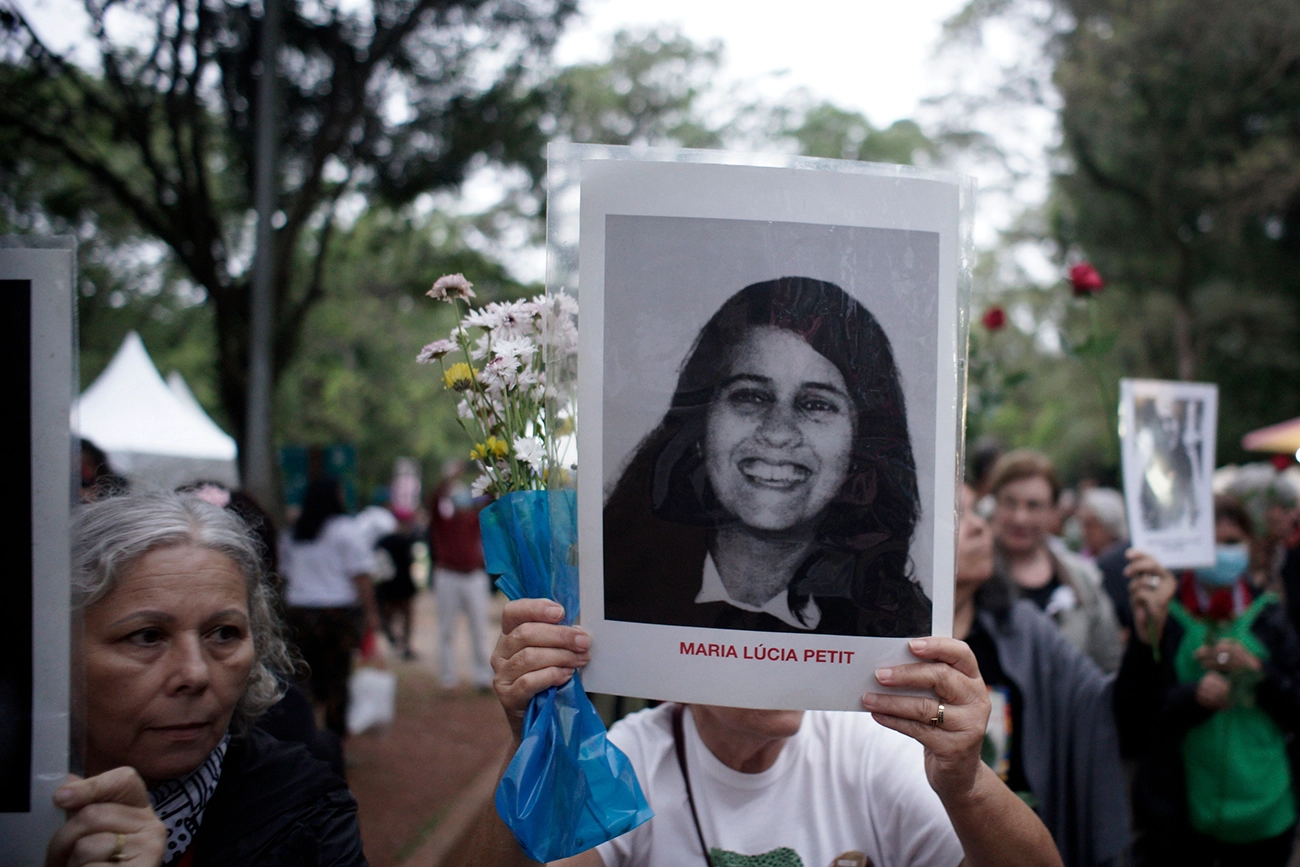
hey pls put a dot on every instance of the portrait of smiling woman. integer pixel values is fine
(179, 652)
(779, 491)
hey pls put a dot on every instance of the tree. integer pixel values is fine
(1183, 123)
(1178, 176)
(355, 379)
(826, 130)
(648, 92)
(379, 103)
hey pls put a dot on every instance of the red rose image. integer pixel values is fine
(994, 318)
(1085, 280)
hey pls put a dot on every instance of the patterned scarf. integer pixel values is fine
(179, 803)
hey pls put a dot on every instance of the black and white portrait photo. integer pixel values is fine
(778, 492)
(767, 445)
(1168, 443)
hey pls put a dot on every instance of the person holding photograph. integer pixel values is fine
(779, 491)
(1051, 735)
(902, 785)
(179, 652)
(1208, 701)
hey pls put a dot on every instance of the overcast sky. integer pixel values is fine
(869, 55)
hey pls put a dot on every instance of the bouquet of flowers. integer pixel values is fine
(567, 788)
(507, 361)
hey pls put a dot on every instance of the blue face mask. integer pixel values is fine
(1230, 561)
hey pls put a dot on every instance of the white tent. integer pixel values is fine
(154, 433)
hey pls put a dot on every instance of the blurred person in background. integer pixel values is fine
(1104, 523)
(1025, 488)
(1280, 534)
(179, 653)
(460, 584)
(330, 600)
(396, 596)
(1051, 735)
(98, 480)
(1208, 701)
(982, 459)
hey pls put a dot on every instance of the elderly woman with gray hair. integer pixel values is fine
(1105, 532)
(178, 654)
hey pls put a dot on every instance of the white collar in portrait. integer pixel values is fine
(713, 590)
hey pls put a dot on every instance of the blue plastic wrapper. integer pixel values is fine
(567, 788)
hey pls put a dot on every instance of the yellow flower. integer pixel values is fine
(459, 376)
(498, 447)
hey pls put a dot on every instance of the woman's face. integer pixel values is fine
(974, 543)
(167, 656)
(1024, 514)
(779, 433)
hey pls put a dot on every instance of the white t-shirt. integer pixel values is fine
(318, 573)
(843, 785)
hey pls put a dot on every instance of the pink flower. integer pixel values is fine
(1085, 280)
(994, 318)
(435, 350)
(451, 286)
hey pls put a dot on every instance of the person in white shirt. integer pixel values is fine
(328, 594)
(776, 787)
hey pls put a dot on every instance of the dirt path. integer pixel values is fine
(408, 777)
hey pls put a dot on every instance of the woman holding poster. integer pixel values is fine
(779, 492)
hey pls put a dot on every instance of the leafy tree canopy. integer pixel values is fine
(381, 101)
(1178, 176)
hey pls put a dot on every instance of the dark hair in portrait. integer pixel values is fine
(664, 516)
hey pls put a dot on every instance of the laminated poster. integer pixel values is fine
(770, 381)
(1167, 436)
(37, 279)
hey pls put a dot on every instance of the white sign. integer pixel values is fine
(1167, 432)
(769, 430)
(36, 291)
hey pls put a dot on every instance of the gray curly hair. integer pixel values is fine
(110, 536)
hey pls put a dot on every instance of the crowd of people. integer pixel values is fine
(1092, 708)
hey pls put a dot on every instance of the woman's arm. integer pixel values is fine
(533, 653)
(996, 828)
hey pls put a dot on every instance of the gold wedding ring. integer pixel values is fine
(937, 720)
(115, 857)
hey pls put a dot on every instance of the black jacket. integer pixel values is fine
(277, 806)
(1154, 712)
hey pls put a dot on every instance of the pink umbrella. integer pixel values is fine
(1283, 438)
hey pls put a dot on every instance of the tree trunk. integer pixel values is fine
(1184, 352)
(230, 305)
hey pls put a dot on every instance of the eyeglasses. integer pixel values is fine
(1033, 507)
